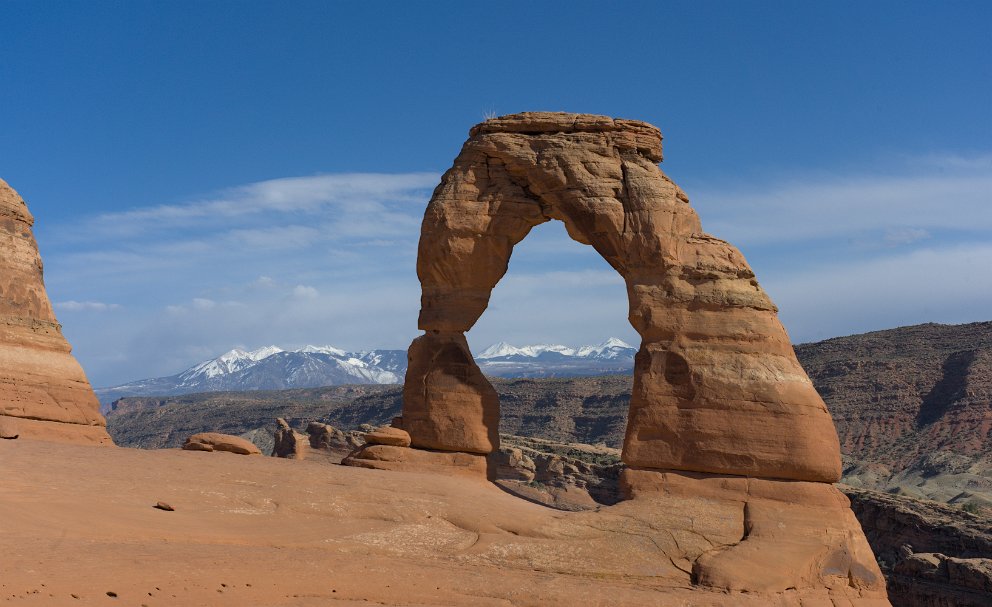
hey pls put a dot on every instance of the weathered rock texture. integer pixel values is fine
(717, 387)
(288, 443)
(933, 555)
(723, 420)
(43, 390)
(215, 441)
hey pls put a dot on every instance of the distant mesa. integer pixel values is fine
(44, 393)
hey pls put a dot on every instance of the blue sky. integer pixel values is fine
(214, 174)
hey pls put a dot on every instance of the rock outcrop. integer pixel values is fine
(722, 416)
(44, 393)
(387, 435)
(288, 443)
(934, 555)
(215, 441)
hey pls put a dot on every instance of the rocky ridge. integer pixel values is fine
(913, 408)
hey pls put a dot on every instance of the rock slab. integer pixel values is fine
(43, 390)
(215, 441)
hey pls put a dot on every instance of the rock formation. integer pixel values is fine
(932, 554)
(388, 435)
(215, 441)
(44, 393)
(717, 387)
(721, 412)
(289, 443)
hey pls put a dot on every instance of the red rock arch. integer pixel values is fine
(717, 387)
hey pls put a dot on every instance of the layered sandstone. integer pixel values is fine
(44, 393)
(215, 441)
(726, 433)
(717, 387)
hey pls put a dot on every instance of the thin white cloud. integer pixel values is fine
(331, 259)
(287, 195)
(947, 285)
(90, 306)
(931, 194)
(305, 292)
(202, 303)
(903, 236)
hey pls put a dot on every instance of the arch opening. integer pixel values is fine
(717, 388)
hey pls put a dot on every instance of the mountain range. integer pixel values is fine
(272, 368)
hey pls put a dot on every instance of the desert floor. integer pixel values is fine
(78, 526)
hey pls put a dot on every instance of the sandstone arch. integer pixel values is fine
(717, 387)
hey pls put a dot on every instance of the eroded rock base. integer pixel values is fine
(720, 532)
(789, 534)
(405, 459)
(36, 429)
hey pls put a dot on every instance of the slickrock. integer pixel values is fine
(41, 384)
(724, 428)
(288, 443)
(215, 441)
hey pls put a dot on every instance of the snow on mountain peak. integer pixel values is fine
(607, 349)
(615, 342)
(265, 352)
(503, 349)
(322, 350)
(499, 349)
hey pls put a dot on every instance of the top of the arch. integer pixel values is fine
(626, 134)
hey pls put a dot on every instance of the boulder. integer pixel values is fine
(387, 435)
(215, 441)
(41, 384)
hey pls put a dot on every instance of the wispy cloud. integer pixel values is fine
(331, 259)
(926, 196)
(78, 306)
(351, 193)
(824, 300)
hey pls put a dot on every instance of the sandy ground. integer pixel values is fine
(78, 526)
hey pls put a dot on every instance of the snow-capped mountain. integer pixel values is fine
(609, 349)
(272, 368)
(554, 360)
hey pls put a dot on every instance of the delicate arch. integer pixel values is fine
(717, 387)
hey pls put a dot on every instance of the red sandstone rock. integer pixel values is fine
(389, 457)
(717, 387)
(288, 443)
(215, 441)
(387, 435)
(447, 403)
(41, 384)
